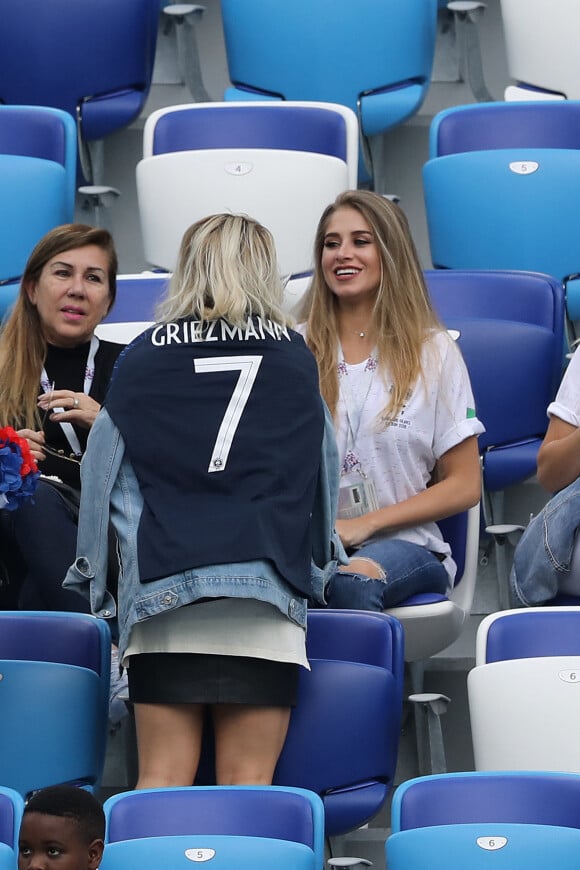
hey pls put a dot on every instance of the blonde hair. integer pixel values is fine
(227, 268)
(22, 342)
(403, 315)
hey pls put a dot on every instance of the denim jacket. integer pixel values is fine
(110, 490)
(544, 553)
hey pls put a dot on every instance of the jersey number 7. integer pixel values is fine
(248, 367)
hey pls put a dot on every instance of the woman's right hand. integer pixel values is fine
(35, 442)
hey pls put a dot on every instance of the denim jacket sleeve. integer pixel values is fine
(327, 549)
(99, 470)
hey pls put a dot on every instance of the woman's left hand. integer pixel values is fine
(69, 407)
(354, 532)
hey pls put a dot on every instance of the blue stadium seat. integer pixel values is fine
(92, 59)
(513, 797)
(372, 56)
(11, 807)
(510, 328)
(500, 190)
(134, 308)
(478, 846)
(343, 738)
(273, 827)
(37, 183)
(54, 697)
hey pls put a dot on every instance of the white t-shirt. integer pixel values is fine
(566, 405)
(399, 458)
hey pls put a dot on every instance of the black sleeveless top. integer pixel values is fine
(66, 368)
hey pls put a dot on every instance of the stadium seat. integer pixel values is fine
(11, 807)
(540, 41)
(243, 826)
(134, 308)
(54, 697)
(343, 738)
(431, 622)
(478, 846)
(277, 51)
(37, 184)
(513, 797)
(281, 163)
(92, 59)
(523, 696)
(518, 355)
(500, 190)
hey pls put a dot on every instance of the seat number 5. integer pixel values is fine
(248, 367)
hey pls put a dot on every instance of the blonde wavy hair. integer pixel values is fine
(403, 315)
(227, 268)
(22, 342)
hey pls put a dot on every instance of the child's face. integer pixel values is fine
(52, 841)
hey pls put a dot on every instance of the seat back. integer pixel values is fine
(37, 180)
(541, 48)
(451, 847)
(505, 209)
(489, 126)
(510, 328)
(93, 58)
(281, 163)
(134, 308)
(521, 712)
(523, 699)
(528, 297)
(505, 359)
(342, 740)
(297, 52)
(11, 807)
(528, 633)
(511, 797)
(32, 202)
(55, 693)
(44, 133)
(283, 814)
(241, 852)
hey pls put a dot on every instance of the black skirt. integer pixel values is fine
(194, 678)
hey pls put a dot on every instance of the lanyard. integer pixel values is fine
(67, 428)
(354, 410)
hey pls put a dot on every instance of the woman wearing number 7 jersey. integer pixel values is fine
(216, 459)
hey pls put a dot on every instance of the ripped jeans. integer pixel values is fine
(409, 569)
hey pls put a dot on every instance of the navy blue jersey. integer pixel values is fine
(223, 428)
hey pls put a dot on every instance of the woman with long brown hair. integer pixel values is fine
(54, 373)
(400, 396)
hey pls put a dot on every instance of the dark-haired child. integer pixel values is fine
(62, 826)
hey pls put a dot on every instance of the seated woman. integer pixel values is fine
(547, 558)
(54, 373)
(403, 409)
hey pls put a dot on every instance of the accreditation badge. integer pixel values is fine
(358, 499)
